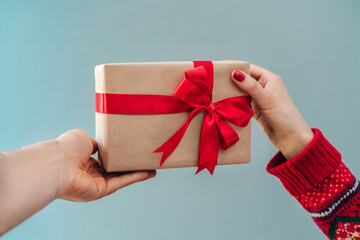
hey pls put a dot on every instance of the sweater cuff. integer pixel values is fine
(307, 169)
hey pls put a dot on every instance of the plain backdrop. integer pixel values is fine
(48, 50)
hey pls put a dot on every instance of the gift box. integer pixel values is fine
(171, 115)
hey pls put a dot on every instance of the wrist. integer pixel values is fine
(57, 166)
(53, 161)
(44, 159)
(294, 143)
(30, 178)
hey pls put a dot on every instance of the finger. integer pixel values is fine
(91, 163)
(100, 168)
(116, 182)
(94, 165)
(257, 72)
(95, 145)
(248, 84)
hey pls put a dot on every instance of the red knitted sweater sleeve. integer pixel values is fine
(323, 185)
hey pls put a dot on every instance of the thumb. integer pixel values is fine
(78, 141)
(248, 84)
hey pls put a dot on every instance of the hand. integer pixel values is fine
(84, 179)
(61, 168)
(274, 110)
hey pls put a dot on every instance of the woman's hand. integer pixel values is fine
(84, 179)
(274, 110)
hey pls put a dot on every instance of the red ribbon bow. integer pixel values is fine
(194, 93)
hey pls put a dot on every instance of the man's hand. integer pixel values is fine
(84, 179)
(33, 176)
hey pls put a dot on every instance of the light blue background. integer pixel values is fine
(48, 50)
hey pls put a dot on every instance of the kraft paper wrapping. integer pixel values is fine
(127, 142)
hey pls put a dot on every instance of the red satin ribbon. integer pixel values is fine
(193, 94)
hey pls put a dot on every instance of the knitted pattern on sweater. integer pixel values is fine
(323, 185)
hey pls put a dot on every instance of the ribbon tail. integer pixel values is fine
(171, 144)
(209, 144)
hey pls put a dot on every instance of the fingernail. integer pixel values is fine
(239, 76)
(151, 174)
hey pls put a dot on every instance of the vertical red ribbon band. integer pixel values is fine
(194, 94)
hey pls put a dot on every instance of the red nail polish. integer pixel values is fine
(239, 76)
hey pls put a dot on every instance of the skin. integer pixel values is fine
(34, 176)
(275, 112)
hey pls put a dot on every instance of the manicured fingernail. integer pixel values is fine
(239, 76)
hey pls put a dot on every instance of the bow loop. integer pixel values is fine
(235, 110)
(194, 89)
(200, 77)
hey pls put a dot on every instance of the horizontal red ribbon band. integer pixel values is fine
(138, 104)
(194, 94)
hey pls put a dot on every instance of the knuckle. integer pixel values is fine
(78, 132)
(80, 135)
(263, 81)
(276, 77)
